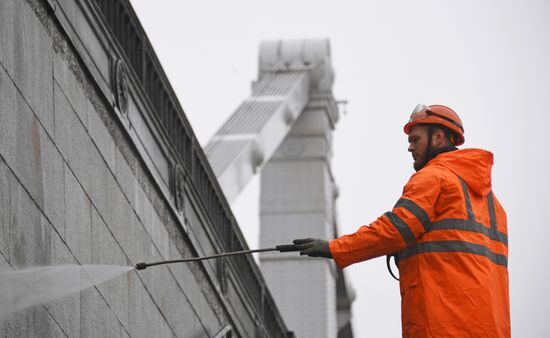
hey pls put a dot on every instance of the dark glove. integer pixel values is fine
(313, 247)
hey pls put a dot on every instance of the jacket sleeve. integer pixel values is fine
(396, 229)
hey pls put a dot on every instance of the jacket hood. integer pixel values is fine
(472, 165)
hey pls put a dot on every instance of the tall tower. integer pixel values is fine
(285, 129)
(298, 194)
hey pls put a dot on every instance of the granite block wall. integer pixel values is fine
(74, 191)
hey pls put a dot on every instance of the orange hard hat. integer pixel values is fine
(437, 114)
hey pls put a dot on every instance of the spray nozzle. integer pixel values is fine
(141, 266)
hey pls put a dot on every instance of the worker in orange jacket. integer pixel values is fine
(449, 232)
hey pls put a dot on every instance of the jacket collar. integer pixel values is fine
(434, 153)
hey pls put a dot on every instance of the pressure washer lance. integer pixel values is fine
(280, 248)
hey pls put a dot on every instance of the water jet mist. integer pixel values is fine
(21, 289)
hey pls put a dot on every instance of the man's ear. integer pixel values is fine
(438, 137)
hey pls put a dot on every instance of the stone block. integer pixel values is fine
(52, 183)
(102, 138)
(29, 231)
(152, 223)
(144, 251)
(78, 231)
(65, 310)
(71, 88)
(131, 235)
(5, 178)
(4, 264)
(173, 304)
(126, 178)
(8, 117)
(17, 324)
(145, 319)
(78, 150)
(121, 221)
(95, 184)
(136, 303)
(144, 208)
(29, 152)
(26, 53)
(7, 26)
(199, 295)
(96, 318)
(105, 250)
(32, 322)
(160, 236)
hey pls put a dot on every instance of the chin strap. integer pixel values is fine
(431, 153)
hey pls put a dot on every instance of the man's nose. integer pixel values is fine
(411, 148)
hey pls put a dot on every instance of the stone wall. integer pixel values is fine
(76, 189)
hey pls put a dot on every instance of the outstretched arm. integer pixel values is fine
(391, 232)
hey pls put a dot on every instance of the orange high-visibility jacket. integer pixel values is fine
(451, 236)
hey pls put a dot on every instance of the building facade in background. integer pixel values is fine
(284, 129)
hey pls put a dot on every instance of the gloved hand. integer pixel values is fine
(313, 247)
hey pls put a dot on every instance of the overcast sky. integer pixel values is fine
(489, 60)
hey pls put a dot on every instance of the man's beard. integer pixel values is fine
(420, 162)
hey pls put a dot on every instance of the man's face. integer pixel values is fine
(418, 143)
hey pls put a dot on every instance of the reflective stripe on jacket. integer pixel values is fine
(450, 232)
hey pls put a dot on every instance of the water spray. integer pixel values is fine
(280, 248)
(37, 285)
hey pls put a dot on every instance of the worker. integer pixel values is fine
(449, 233)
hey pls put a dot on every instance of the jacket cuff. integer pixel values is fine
(333, 247)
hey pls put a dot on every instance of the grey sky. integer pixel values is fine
(489, 60)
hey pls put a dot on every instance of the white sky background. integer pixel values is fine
(489, 60)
